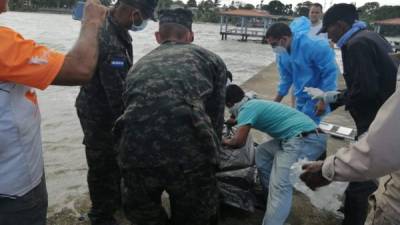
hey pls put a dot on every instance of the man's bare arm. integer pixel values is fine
(240, 137)
(80, 62)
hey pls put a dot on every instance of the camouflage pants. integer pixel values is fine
(193, 195)
(104, 176)
(381, 215)
(104, 182)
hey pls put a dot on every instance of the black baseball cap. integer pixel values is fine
(146, 7)
(339, 12)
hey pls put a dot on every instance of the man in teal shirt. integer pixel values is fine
(295, 136)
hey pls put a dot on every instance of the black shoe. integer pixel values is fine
(100, 219)
(108, 222)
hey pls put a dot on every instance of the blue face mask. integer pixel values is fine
(140, 27)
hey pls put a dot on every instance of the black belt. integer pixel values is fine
(315, 131)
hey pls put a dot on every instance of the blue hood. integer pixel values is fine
(300, 25)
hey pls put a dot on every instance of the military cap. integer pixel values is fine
(339, 12)
(146, 7)
(179, 16)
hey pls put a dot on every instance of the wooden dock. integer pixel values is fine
(393, 22)
(244, 34)
(246, 23)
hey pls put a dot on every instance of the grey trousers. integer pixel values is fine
(29, 209)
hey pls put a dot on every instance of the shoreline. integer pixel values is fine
(46, 11)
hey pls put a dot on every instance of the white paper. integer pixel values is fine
(326, 126)
(344, 130)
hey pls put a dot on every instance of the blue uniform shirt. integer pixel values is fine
(277, 120)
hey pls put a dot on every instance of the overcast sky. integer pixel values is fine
(325, 3)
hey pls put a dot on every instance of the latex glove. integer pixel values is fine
(312, 176)
(331, 96)
(316, 93)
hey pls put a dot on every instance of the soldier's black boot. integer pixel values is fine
(97, 218)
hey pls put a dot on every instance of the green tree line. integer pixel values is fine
(372, 11)
(208, 10)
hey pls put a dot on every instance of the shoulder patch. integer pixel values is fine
(117, 62)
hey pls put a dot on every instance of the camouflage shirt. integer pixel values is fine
(174, 107)
(101, 99)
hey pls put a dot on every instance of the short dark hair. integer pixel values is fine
(172, 30)
(234, 94)
(278, 30)
(317, 5)
(125, 6)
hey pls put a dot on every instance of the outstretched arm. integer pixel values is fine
(80, 62)
(239, 138)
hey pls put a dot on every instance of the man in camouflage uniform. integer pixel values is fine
(171, 127)
(99, 104)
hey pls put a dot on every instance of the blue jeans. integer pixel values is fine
(274, 159)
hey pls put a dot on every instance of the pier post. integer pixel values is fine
(242, 25)
(221, 23)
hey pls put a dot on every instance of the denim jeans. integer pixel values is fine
(274, 159)
(29, 209)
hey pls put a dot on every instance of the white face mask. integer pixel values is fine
(234, 110)
(279, 50)
(141, 27)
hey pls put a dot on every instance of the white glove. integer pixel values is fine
(316, 93)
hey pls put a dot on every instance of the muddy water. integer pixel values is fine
(64, 156)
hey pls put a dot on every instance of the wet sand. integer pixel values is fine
(264, 84)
